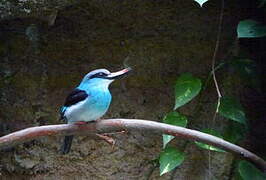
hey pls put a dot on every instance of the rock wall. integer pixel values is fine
(42, 60)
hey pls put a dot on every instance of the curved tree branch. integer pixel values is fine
(113, 125)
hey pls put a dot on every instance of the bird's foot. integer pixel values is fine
(97, 120)
(108, 139)
(118, 132)
(122, 132)
(81, 123)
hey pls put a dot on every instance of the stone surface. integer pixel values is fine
(41, 63)
(31, 8)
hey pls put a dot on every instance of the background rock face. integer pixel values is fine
(41, 63)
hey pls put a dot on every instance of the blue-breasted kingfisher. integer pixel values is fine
(89, 101)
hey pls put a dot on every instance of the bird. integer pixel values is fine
(89, 101)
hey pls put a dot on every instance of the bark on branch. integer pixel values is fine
(113, 125)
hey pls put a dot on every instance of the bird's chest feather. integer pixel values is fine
(99, 100)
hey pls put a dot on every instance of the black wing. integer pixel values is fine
(75, 96)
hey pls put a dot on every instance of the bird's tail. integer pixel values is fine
(65, 148)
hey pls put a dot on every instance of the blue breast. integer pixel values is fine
(95, 106)
(100, 101)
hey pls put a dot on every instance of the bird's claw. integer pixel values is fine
(108, 139)
(81, 123)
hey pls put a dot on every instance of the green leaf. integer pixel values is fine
(201, 2)
(249, 172)
(235, 132)
(169, 159)
(209, 147)
(186, 88)
(232, 109)
(250, 29)
(173, 118)
(166, 139)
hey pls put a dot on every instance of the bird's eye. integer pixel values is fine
(98, 75)
(101, 74)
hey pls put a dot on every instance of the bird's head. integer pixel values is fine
(102, 77)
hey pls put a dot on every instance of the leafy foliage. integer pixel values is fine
(232, 109)
(173, 118)
(186, 88)
(209, 147)
(235, 132)
(248, 171)
(250, 29)
(169, 159)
